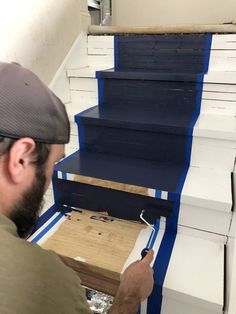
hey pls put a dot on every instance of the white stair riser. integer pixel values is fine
(84, 84)
(204, 219)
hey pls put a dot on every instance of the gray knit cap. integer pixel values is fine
(29, 109)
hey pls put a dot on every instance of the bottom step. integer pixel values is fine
(100, 247)
(125, 186)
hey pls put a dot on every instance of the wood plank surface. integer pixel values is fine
(112, 185)
(101, 245)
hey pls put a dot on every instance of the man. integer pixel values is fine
(33, 130)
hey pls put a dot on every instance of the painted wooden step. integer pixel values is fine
(221, 54)
(135, 135)
(209, 126)
(194, 281)
(203, 188)
(170, 96)
(172, 53)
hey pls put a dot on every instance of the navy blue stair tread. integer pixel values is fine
(145, 173)
(151, 76)
(136, 118)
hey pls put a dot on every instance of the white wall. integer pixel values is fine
(156, 12)
(39, 33)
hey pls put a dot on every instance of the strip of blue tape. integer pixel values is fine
(116, 53)
(152, 240)
(45, 217)
(80, 126)
(100, 91)
(46, 229)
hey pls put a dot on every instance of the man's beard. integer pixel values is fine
(26, 213)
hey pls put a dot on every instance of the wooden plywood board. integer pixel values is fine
(113, 185)
(102, 243)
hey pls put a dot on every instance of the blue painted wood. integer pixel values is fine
(117, 203)
(142, 119)
(176, 53)
(163, 176)
(134, 134)
(169, 98)
(149, 76)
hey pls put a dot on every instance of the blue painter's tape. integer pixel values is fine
(64, 176)
(207, 52)
(99, 74)
(44, 231)
(116, 52)
(100, 91)
(55, 190)
(153, 239)
(81, 134)
(45, 217)
(80, 128)
(78, 115)
(158, 194)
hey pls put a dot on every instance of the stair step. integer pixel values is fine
(172, 53)
(210, 126)
(202, 187)
(194, 284)
(86, 72)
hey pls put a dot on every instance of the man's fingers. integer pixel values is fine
(149, 257)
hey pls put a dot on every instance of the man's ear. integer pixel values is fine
(20, 158)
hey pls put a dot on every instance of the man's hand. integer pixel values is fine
(135, 286)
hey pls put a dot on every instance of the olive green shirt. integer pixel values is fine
(35, 281)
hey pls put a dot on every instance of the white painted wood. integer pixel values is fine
(101, 40)
(172, 305)
(224, 88)
(229, 272)
(216, 126)
(204, 219)
(195, 274)
(89, 71)
(84, 98)
(84, 84)
(74, 129)
(232, 232)
(83, 94)
(74, 108)
(60, 82)
(232, 284)
(218, 107)
(101, 61)
(220, 96)
(213, 153)
(220, 77)
(208, 188)
(226, 42)
(222, 60)
(100, 51)
(201, 234)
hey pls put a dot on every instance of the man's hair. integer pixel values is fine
(41, 151)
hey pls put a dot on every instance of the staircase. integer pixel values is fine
(161, 139)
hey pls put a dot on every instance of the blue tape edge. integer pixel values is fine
(44, 231)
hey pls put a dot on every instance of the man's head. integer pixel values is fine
(34, 127)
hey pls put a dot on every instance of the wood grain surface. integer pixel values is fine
(101, 245)
(112, 185)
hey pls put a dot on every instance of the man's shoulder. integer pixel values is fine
(28, 272)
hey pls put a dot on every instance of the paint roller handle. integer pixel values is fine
(144, 252)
